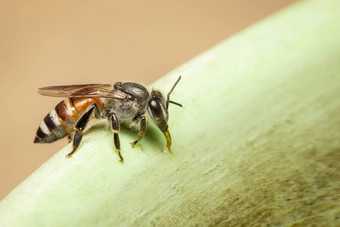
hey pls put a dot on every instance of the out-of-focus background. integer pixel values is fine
(86, 41)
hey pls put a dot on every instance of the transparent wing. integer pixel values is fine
(84, 90)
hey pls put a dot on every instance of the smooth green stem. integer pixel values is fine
(257, 141)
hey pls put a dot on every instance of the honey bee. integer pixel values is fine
(125, 103)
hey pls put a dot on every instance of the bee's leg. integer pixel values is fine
(80, 126)
(141, 131)
(116, 141)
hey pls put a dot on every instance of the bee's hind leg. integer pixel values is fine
(69, 137)
(80, 126)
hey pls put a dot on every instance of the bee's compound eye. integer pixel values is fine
(156, 110)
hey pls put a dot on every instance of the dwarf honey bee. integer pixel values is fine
(124, 102)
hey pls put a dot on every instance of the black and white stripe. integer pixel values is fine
(50, 129)
(51, 120)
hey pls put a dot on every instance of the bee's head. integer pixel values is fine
(158, 111)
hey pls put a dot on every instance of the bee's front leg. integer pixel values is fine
(141, 131)
(80, 126)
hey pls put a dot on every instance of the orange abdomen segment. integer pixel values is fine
(71, 109)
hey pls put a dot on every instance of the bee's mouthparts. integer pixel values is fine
(168, 140)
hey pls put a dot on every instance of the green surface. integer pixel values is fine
(257, 141)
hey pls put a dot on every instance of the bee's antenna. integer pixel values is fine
(168, 96)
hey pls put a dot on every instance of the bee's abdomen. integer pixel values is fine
(60, 121)
(51, 129)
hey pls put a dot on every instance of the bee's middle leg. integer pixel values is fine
(80, 126)
(116, 141)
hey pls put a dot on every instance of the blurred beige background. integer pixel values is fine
(71, 42)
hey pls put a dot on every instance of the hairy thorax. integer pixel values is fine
(128, 112)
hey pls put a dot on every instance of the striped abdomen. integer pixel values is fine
(60, 121)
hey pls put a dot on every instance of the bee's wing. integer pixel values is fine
(84, 90)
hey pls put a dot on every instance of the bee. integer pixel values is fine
(125, 103)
